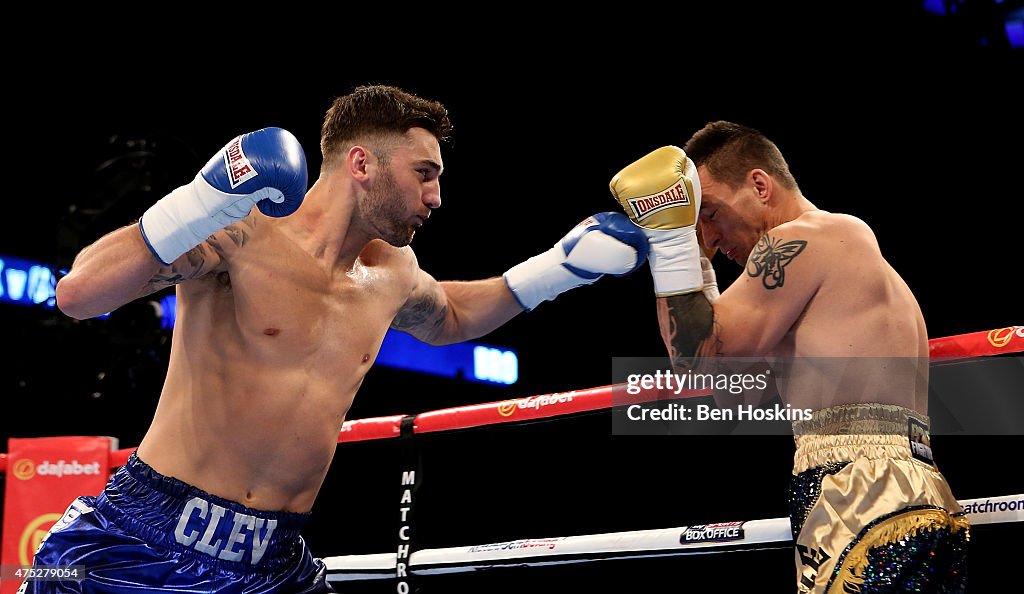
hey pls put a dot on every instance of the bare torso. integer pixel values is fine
(861, 337)
(266, 359)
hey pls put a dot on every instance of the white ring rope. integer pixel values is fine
(772, 533)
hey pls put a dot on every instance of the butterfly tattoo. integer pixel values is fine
(770, 259)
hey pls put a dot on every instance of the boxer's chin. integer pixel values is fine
(400, 237)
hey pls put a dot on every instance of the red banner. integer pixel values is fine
(44, 475)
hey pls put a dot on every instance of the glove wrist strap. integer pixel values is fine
(541, 278)
(176, 223)
(675, 261)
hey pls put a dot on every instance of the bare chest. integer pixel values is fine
(293, 311)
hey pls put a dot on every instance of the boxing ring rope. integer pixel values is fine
(773, 533)
(999, 341)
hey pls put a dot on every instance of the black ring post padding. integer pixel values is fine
(407, 425)
(411, 477)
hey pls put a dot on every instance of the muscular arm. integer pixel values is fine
(755, 312)
(448, 312)
(119, 268)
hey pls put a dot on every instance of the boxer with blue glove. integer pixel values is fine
(173, 534)
(281, 312)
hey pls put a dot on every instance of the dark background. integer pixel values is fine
(907, 119)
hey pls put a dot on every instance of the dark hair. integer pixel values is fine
(372, 110)
(729, 151)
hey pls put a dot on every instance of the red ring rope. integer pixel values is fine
(999, 341)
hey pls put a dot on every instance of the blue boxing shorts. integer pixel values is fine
(150, 533)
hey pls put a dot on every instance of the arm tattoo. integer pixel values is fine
(179, 270)
(689, 328)
(237, 234)
(426, 310)
(771, 257)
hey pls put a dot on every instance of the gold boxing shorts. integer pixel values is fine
(869, 509)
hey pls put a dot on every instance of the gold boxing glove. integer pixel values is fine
(660, 193)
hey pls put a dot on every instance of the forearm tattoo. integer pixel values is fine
(198, 261)
(770, 259)
(182, 269)
(689, 328)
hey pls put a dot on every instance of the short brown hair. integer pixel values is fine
(729, 151)
(379, 109)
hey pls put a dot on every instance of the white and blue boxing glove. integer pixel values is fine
(606, 243)
(266, 168)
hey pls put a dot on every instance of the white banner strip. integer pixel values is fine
(994, 510)
(685, 540)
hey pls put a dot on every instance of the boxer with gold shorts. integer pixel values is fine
(870, 511)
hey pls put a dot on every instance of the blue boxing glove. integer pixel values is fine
(606, 243)
(266, 168)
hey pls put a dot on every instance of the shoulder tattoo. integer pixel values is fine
(770, 259)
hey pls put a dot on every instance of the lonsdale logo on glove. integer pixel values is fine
(645, 206)
(240, 170)
(661, 194)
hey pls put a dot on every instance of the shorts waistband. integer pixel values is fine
(164, 510)
(850, 431)
(864, 419)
